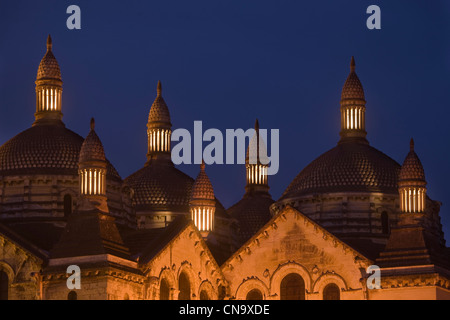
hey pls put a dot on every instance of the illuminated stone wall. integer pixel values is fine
(20, 266)
(188, 254)
(292, 244)
(348, 213)
(43, 196)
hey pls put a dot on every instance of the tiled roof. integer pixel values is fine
(89, 233)
(348, 167)
(92, 148)
(159, 112)
(44, 149)
(202, 188)
(161, 187)
(49, 68)
(412, 168)
(353, 88)
(252, 212)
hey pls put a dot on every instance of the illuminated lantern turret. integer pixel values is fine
(48, 88)
(256, 164)
(417, 240)
(92, 170)
(353, 108)
(412, 184)
(202, 203)
(159, 129)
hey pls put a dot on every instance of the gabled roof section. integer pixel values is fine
(283, 217)
(20, 241)
(90, 233)
(170, 235)
(166, 237)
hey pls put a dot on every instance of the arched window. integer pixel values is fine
(185, 287)
(4, 284)
(204, 295)
(126, 297)
(222, 292)
(72, 296)
(254, 294)
(384, 222)
(331, 292)
(164, 290)
(67, 205)
(292, 287)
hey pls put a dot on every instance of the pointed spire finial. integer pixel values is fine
(202, 166)
(92, 123)
(158, 89)
(352, 64)
(411, 145)
(49, 43)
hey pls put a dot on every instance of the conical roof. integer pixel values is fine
(257, 150)
(90, 233)
(353, 88)
(49, 67)
(159, 112)
(412, 168)
(202, 188)
(92, 148)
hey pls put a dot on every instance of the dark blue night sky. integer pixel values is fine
(229, 62)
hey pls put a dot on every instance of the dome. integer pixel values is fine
(44, 149)
(161, 186)
(159, 112)
(353, 88)
(349, 167)
(92, 148)
(252, 213)
(202, 188)
(49, 67)
(412, 168)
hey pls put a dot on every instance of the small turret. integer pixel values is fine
(353, 108)
(48, 89)
(412, 184)
(256, 164)
(202, 203)
(92, 170)
(159, 129)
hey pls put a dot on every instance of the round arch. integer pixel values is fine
(4, 266)
(186, 268)
(167, 275)
(331, 292)
(208, 288)
(250, 284)
(329, 278)
(283, 271)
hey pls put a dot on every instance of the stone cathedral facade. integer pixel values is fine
(160, 234)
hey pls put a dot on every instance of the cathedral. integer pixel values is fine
(159, 234)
